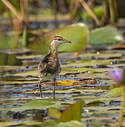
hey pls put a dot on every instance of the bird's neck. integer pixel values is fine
(53, 50)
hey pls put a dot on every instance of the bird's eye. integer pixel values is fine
(59, 39)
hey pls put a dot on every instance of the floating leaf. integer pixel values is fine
(35, 104)
(78, 34)
(105, 35)
(27, 73)
(115, 92)
(54, 113)
(95, 103)
(71, 124)
(46, 123)
(73, 112)
(65, 83)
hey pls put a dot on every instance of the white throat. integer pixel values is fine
(54, 46)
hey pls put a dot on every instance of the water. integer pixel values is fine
(85, 79)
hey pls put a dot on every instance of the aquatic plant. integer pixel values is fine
(116, 75)
(119, 77)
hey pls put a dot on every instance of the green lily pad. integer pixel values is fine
(78, 34)
(47, 123)
(73, 112)
(54, 113)
(27, 73)
(95, 103)
(73, 123)
(37, 104)
(105, 35)
(115, 92)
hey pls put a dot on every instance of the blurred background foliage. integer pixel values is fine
(28, 23)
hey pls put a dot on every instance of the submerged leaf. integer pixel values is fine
(73, 112)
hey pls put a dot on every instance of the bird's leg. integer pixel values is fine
(54, 88)
(39, 86)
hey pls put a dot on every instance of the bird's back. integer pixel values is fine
(49, 67)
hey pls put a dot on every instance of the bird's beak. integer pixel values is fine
(67, 41)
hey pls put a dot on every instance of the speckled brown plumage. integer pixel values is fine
(49, 67)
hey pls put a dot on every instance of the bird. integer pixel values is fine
(49, 68)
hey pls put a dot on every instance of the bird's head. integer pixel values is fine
(57, 40)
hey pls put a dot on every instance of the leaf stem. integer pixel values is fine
(122, 105)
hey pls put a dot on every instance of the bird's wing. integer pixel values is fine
(42, 67)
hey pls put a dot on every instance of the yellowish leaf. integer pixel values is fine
(54, 113)
(73, 112)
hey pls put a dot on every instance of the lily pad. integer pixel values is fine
(73, 112)
(115, 92)
(54, 113)
(95, 103)
(38, 104)
(73, 123)
(105, 35)
(78, 34)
